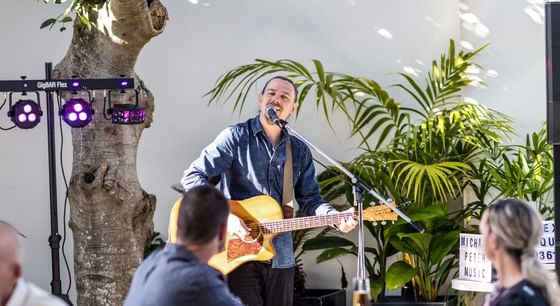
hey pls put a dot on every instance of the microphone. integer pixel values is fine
(273, 116)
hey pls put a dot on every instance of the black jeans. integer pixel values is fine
(257, 284)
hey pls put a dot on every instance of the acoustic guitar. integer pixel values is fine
(263, 216)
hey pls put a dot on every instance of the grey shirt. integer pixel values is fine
(174, 276)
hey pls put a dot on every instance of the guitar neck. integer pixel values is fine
(294, 224)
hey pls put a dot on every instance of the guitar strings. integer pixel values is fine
(297, 223)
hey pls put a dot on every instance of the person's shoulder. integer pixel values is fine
(216, 290)
(149, 261)
(525, 293)
(201, 283)
(237, 130)
(40, 297)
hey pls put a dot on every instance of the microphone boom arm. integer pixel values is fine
(353, 179)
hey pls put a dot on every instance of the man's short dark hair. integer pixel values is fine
(203, 210)
(279, 77)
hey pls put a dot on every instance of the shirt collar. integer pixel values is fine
(179, 251)
(256, 125)
(19, 294)
(257, 128)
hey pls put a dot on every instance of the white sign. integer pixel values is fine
(545, 249)
(473, 264)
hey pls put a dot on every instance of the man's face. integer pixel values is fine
(281, 95)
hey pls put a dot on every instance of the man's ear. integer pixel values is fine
(222, 231)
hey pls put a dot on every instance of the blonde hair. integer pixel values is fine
(518, 228)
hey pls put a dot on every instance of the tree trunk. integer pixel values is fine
(110, 213)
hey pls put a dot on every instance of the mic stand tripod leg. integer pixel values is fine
(360, 284)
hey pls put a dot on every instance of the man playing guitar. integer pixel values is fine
(249, 158)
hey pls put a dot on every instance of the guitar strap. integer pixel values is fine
(288, 192)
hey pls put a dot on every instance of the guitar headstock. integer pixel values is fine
(380, 213)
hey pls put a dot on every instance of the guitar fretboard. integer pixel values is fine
(293, 224)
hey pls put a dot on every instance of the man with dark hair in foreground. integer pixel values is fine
(179, 274)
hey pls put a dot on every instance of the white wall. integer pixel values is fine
(204, 38)
(515, 58)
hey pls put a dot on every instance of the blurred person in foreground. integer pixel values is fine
(511, 230)
(180, 274)
(14, 290)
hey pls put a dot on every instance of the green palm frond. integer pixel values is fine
(439, 179)
(444, 83)
(239, 82)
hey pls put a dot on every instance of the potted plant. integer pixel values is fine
(517, 171)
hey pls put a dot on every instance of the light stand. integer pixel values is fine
(48, 85)
(54, 238)
(361, 283)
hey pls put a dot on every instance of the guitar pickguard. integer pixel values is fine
(237, 247)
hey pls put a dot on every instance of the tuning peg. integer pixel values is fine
(374, 223)
(383, 222)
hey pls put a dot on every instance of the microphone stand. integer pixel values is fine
(360, 283)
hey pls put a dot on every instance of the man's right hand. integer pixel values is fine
(237, 227)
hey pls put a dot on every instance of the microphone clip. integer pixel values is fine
(281, 123)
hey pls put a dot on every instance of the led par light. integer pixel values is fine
(25, 113)
(77, 112)
(126, 113)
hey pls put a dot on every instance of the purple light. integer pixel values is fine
(25, 114)
(124, 83)
(127, 114)
(76, 112)
(75, 84)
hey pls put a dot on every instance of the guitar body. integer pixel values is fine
(257, 246)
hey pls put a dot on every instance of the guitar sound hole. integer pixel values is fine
(254, 235)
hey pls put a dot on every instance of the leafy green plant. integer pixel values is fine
(153, 243)
(516, 171)
(433, 253)
(82, 9)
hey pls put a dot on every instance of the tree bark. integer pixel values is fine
(110, 214)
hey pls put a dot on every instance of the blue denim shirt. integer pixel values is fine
(249, 165)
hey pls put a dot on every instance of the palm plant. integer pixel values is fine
(517, 171)
(421, 150)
